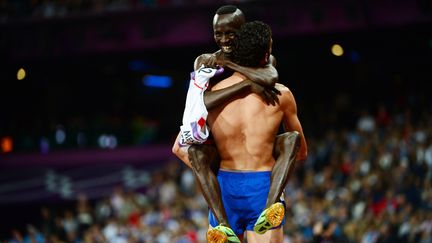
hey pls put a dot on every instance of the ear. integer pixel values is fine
(265, 60)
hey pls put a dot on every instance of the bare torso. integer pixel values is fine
(245, 130)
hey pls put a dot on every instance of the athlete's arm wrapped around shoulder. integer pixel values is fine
(214, 99)
(266, 75)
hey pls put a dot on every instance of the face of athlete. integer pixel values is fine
(224, 29)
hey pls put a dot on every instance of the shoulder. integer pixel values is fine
(208, 59)
(286, 97)
(202, 59)
(282, 88)
(205, 56)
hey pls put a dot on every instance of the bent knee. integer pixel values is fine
(193, 149)
(203, 155)
(197, 156)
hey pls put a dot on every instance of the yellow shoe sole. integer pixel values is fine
(216, 236)
(269, 218)
(222, 234)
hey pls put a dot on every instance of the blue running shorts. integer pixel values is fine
(244, 196)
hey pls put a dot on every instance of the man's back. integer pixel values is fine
(245, 129)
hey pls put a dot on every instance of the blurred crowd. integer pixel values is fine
(64, 8)
(369, 184)
(79, 132)
(171, 210)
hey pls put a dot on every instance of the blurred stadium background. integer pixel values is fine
(92, 94)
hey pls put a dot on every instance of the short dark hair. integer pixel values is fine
(226, 9)
(251, 44)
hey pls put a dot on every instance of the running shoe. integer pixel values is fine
(222, 234)
(269, 218)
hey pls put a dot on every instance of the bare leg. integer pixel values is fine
(271, 236)
(205, 163)
(286, 147)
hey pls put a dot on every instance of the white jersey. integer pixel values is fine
(194, 129)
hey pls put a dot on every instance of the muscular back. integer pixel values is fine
(245, 129)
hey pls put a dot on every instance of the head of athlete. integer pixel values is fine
(252, 45)
(227, 20)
